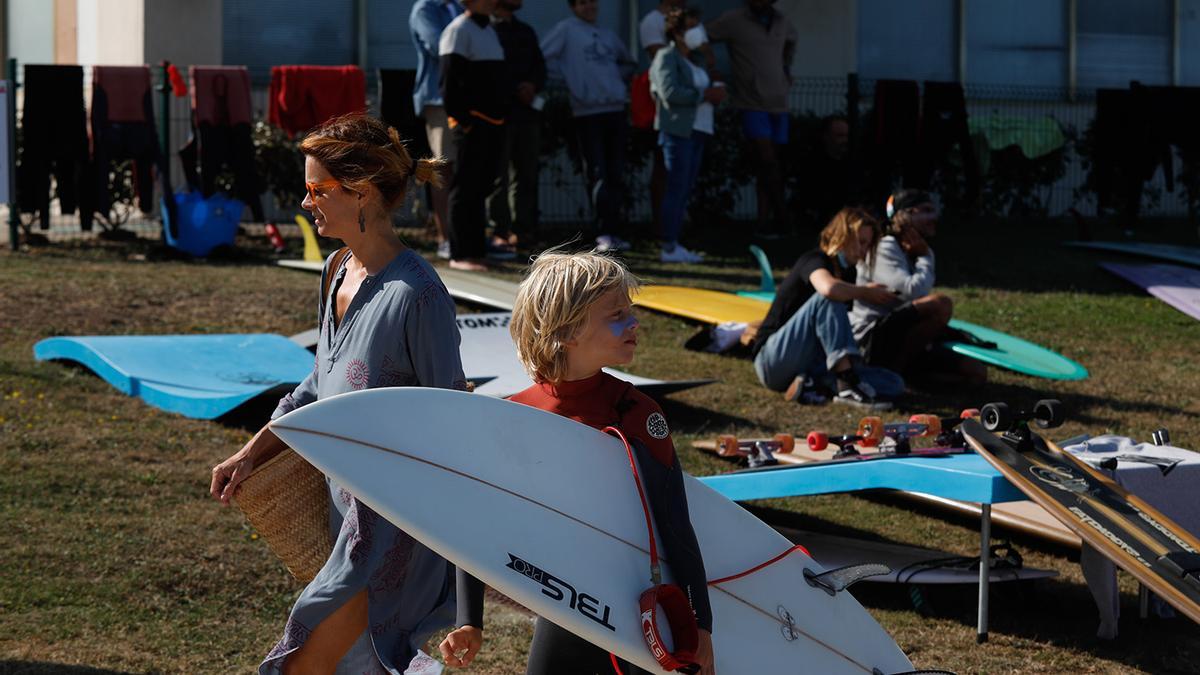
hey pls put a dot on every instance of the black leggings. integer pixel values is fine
(555, 651)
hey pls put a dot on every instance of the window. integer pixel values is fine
(1019, 42)
(1122, 40)
(911, 40)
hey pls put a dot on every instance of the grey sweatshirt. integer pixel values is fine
(893, 268)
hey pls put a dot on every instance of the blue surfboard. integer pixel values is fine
(198, 376)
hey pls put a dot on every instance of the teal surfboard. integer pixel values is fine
(1011, 353)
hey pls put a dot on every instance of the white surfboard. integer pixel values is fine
(487, 350)
(544, 510)
(488, 356)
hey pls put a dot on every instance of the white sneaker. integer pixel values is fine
(606, 243)
(443, 249)
(681, 255)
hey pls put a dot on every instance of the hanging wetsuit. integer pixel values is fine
(54, 140)
(123, 129)
(221, 135)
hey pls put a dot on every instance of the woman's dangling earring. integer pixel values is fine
(362, 221)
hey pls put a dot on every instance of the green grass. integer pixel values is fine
(115, 560)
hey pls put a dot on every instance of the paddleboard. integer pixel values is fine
(1188, 255)
(1121, 526)
(1177, 286)
(199, 376)
(909, 564)
(545, 510)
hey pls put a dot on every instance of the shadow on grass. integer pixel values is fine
(1076, 404)
(1048, 611)
(38, 668)
(695, 420)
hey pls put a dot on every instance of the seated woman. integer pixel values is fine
(805, 344)
(907, 338)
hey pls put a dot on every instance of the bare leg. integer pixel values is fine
(329, 642)
(769, 187)
(441, 202)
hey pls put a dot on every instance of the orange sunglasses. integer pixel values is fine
(322, 186)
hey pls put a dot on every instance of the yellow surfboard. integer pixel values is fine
(700, 304)
(312, 252)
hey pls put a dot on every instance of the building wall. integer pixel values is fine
(29, 25)
(827, 36)
(1189, 43)
(110, 32)
(184, 32)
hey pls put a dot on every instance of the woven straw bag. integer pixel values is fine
(287, 501)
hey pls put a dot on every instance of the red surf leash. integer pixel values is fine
(674, 602)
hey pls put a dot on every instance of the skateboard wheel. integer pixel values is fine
(727, 445)
(817, 440)
(786, 442)
(996, 417)
(1049, 413)
(968, 413)
(932, 423)
(871, 430)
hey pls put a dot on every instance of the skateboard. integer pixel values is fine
(1131, 533)
(757, 452)
(892, 439)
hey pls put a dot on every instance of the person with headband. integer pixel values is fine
(571, 319)
(386, 321)
(685, 98)
(907, 337)
(805, 347)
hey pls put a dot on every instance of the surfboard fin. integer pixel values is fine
(838, 580)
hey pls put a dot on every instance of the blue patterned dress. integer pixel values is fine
(399, 330)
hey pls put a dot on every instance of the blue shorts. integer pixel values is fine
(759, 124)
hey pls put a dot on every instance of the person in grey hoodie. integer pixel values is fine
(596, 67)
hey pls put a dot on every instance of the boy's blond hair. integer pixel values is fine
(552, 306)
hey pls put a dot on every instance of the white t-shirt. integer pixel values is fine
(653, 29)
(704, 111)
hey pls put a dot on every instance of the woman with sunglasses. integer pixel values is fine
(387, 321)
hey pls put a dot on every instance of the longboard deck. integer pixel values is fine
(909, 564)
(803, 455)
(1130, 532)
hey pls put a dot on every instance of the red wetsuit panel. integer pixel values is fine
(603, 400)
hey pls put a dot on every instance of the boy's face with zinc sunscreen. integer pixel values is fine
(609, 337)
